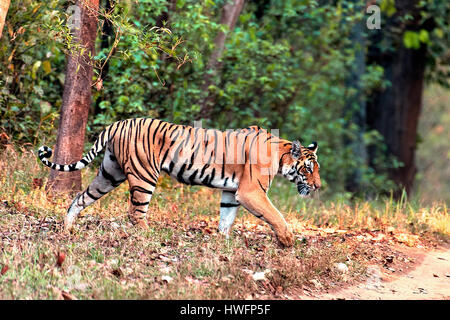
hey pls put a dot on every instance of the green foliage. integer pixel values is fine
(31, 66)
(284, 66)
(428, 28)
(436, 34)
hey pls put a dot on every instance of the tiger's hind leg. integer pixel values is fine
(140, 195)
(108, 178)
(228, 210)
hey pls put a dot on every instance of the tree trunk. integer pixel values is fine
(230, 14)
(4, 6)
(355, 107)
(163, 19)
(261, 8)
(395, 111)
(76, 100)
(107, 34)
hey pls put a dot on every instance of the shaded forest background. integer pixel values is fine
(309, 68)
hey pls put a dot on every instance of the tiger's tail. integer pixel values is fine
(45, 152)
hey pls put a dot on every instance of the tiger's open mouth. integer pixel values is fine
(303, 189)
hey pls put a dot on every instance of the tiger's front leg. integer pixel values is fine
(257, 202)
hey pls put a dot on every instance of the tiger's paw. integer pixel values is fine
(67, 226)
(142, 224)
(287, 239)
(68, 229)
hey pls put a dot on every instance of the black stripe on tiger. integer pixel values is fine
(110, 178)
(229, 205)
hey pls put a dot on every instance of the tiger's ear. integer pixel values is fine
(296, 149)
(313, 147)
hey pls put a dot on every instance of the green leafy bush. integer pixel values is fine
(284, 67)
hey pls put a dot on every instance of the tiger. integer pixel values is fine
(242, 163)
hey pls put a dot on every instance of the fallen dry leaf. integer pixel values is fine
(123, 234)
(60, 257)
(246, 241)
(4, 269)
(99, 85)
(117, 272)
(279, 290)
(380, 237)
(4, 138)
(67, 296)
(207, 230)
(408, 239)
(37, 183)
(61, 294)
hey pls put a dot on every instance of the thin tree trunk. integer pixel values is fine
(164, 17)
(76, 100)
(230, 14)
(261, 7)
(355, 107)
(163, 20)
(107, 34)
(395, 111)
(4, 6)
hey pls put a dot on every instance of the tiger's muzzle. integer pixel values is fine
(305, 190)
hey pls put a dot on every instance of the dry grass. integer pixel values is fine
(182, 256)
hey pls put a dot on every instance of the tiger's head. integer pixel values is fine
(301, 167)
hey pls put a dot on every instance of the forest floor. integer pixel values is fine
(107, 258)
(427, 278)
(363, 250)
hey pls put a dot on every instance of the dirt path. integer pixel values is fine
(430, 279)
